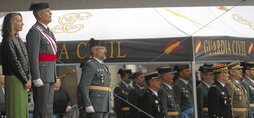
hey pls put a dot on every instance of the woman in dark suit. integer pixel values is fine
(15, 67)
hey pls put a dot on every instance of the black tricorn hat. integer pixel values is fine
(181, 67)
(136, 74)
(93, 43)
(205, 69)
(163, 70)
(124, 71)
(38, 6)
(247, 65)
(152, 75)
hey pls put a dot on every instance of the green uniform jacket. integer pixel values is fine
(95, 74)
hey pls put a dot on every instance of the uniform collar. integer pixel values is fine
(140, 87)
(101, 62)
(184, 81)
(250, 79)
(155, 92)
(222, 83)
(127, 85)
(169, 86)
(45, 26)
(237, 81)
(206, 84)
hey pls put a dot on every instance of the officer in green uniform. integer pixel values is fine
(94, 85)
(248, 83)
(121, 107)
(42, 49)
(236, 91)
(183, 90)
(207, 77)
(169, 101)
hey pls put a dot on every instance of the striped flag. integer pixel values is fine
(250, 48)
(172, 46)
(197, 46)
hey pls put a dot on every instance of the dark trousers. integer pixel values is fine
(2, 115)
(98, 115)
(43, 101)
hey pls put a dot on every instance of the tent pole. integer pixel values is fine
(194, 88)
(193, 70)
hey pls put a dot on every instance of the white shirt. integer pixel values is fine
(155, 92)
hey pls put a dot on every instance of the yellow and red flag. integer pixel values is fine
(250, 48)
(197, 46)
(172, 46)
(223, 8)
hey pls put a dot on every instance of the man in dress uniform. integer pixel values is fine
(202, 90)
(236, 91)
(94, 85)
(42, 48)
(248, 83)
(136, 93)
(183, 90)
(219, 104)
(122, 108)
(169, 101)
(151, 100)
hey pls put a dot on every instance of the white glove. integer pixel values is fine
(68, 108)
(90, 109)
(38, 83)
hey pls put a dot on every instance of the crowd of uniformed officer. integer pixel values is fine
(225, 91)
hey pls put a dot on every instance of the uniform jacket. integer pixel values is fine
(95, 74)
(15, 58)
(169, 100)
(219, 104)
(122, 91)
(38, 44)
(249, 86)
(135, 97)
(238, 96)
(152, 105)
(202, 100)
(183, 94)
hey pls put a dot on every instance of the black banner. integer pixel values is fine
(130, 50)
(223, 48)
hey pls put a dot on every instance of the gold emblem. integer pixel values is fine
(67, 22)
(243, 21)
